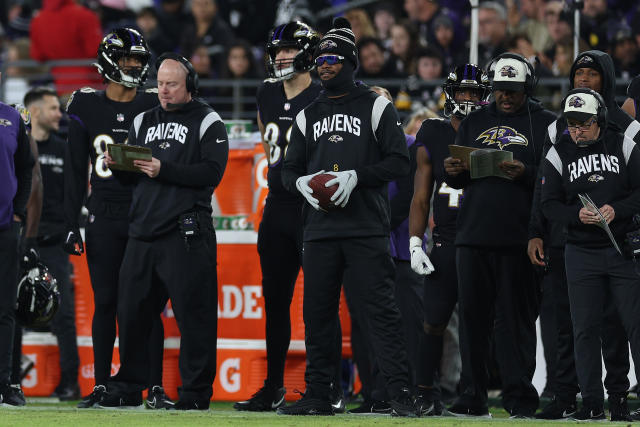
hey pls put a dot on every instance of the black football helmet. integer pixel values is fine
(38, 297)
(297, 35)
(117, 44)
(468, 76)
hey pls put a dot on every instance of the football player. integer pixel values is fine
(466, 89)
(99, 118)
(286, 91)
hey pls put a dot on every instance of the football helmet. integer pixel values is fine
(297, 35)
(117, 44)
(38, 297)
(468, 76)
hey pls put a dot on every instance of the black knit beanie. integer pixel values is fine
(339, 40)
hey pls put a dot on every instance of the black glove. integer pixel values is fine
(73, 244)
(30, 255)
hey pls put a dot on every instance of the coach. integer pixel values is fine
(171, 251)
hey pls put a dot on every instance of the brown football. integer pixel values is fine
(322, 193)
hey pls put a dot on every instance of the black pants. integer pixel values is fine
(152, 272)
(497, 291)
(9, 241)
(591, 274)
(440, 299)
(366, 269)
(548, 326)
(280, 250)
(63, 324)
(106, 239)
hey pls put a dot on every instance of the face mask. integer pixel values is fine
(342, 83)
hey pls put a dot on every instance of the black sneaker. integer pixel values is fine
(337, 400)
(121, 401)
(557, 410)
(372, 407)
(463, 407)
(158, 399)
(265, 399)
(11, 395)
(635, 415)
(429, 408)
(589, 413)
(190, 405)
(403, 405)
(92, 400)
(66, 392)
(308, 404)
(618, 409)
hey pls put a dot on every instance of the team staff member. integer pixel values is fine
(356, 135)
(171, 251)
(288, 90)
(495, 278)
(99, 118)
(44, 107)
(591, 70)
(466, 89)
(631, 104)
(605, 165)
(16, 162)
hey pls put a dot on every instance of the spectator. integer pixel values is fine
(423, 86)
(596, 19)
(624, 52)
(492, 31)
(240, 64)
(444, 41)
(416, 119)
(173, 19)
(533, 24)
(202, 66)
(149, 25)
(422, 13)
(384, 17)
(19, 78)
(360, 23)
(65, 30)
(519, 43)
(403, 46)
(373, 64)
(241, 16)
(559, 25)
(208, 29)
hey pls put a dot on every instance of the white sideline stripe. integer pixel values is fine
(46, 338)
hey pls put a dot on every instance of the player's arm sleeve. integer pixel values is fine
(34, 204)
(214, 153)
(630, 205)
(401, 203)
(537, 221)
(464, 178)
(76, 169)
(553, 197)
(23, 163)
(393, 146)
(295, 161)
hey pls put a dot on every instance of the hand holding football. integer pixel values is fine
(322, 193)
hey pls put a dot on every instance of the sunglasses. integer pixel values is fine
(583, 126)
(329, 59)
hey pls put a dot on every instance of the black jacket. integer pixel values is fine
(192, 146)
(360, 131)
(608, 171)
(495, 211)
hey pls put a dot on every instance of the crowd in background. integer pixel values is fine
(417, 41)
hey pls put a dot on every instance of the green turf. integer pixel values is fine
(39, 413)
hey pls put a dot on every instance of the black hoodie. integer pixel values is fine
(495, 211)
(552, 233)
(360, 131)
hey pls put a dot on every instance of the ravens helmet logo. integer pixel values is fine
(328, 44)
(508, 71)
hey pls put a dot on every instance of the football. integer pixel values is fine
(322, 193)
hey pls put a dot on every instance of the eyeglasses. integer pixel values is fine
(329, 59)
(584, 126)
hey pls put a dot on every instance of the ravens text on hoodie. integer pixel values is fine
(495, 211)
(359, 131)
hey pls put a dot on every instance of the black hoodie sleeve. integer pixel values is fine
(401, 203)
(393, 148)
(463, 179)
(537, 221)
(630, 205)
(554, 205)
(23, 164)
(295, 161)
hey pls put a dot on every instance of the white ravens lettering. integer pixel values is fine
(593, 163)
(336, 123)
(167, 131)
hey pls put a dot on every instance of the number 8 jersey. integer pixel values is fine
(277, 114)
(95, 121)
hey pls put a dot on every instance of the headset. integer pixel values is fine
(601, 116)
(192, 82)
(531, 80)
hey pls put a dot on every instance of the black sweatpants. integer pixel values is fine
(591, 273)
(152, 272)
(9, 241)
(440, 299)
(497, 291)
(106, 240)
(365, 267)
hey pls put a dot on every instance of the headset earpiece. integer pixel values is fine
(192, 81)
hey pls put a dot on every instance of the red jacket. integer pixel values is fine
(65, 30)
